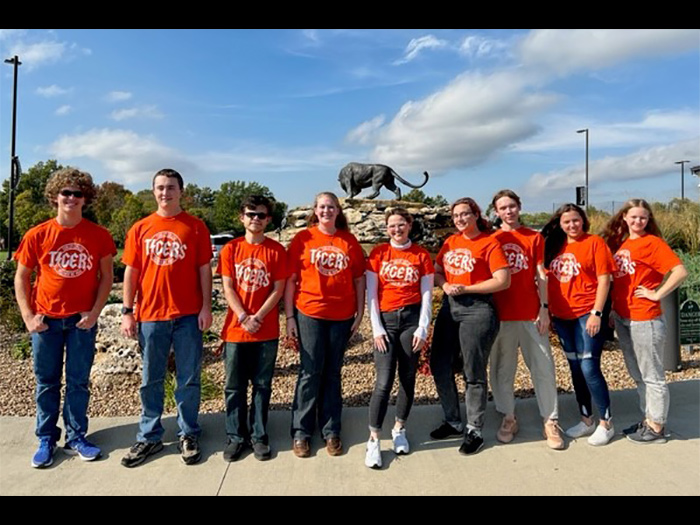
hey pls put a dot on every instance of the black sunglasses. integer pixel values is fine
(261, 215)
(67, 193)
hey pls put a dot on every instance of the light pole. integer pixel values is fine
(14, 162)
(682, 163)
(586, 132)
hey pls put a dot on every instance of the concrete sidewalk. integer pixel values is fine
(525, 467)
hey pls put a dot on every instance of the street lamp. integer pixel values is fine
(14, 161)
(682, 163)
(586, 132)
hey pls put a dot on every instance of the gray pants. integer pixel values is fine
(538, 358)
(642, 344)
(466, 325)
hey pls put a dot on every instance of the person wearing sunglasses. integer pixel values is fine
(167, 257)
(470, 267)
(72, 259)
(324, 302)
(254, 271)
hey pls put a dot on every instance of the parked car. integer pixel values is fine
(219, 241)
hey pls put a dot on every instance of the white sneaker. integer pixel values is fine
(401, 447)
(601, 436)
(580, 430)
(373, 458)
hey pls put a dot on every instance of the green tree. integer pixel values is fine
(228, 201)
(111, 197)
(200, 203)
(132, 211)
(419, 196)
(28, 214)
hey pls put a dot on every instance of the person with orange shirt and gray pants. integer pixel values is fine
(254, 272)
(167, 257)
(72, 258)
(524, 315)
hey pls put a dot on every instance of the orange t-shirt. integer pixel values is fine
(573, 276)
(524, 249)
(326, 267)
(254, 269)
(471, 261)
(67, 261)
(640, 262)
(399, 272)
(168, 252)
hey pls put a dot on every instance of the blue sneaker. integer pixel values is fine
(83, 448)
(43, 457)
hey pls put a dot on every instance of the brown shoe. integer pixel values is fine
(552, 432)
(509, 427)
(334, 447)
(301, 448)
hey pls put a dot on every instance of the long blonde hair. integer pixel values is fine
(617, 231)
(341, 222)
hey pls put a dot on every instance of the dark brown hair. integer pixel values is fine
(616, 231)
(506, 193)
(554, 236)
(171, 174)
(483, 224)
(402, 212)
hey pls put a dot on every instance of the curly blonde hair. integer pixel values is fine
(70, 178)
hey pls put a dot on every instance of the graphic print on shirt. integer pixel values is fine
(252, 274)
(399, 272)
(565, 267)
(71, 260)
(625, 265)
(459, 261)
(329, 260)
(517, 258)
(165, 248)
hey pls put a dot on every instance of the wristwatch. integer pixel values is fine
(597, 313)
(127, 311)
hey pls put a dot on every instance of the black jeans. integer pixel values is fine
(466, 324)
(254, 363)
(400, 326)
(322, 346)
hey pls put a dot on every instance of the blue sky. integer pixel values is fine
(480, 110)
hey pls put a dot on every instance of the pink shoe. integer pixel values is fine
(509, 427)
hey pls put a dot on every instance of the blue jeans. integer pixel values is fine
(254, 362)
(321, 348)
(583, 353)
(48, 347)
(156, 339)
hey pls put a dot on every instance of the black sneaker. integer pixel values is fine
(473, 443)
(262, 451)
(633, 429)
(189, 448)
(233, 451)
(139, 452)
(646, 436)
(446, 431)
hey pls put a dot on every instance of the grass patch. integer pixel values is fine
(210, 389)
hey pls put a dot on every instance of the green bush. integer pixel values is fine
(21, 350)
(690, 289)
(10, 316)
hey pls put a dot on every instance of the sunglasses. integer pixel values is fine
(261, 215)
(70, 193)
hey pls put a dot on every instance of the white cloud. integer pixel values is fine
(127, 157)
(63, 110)
(647, 163)
(365, 132)
(52, 91)
(33, 55)
(653, 128)
(311, 35)
(568, 50)
(6, 34)
(416, 45)
(476, 46)
(118, 96)
(150, 112)
(461, 125)
(256, 158)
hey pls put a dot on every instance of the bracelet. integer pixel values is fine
(242, 317)
(545, 306)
